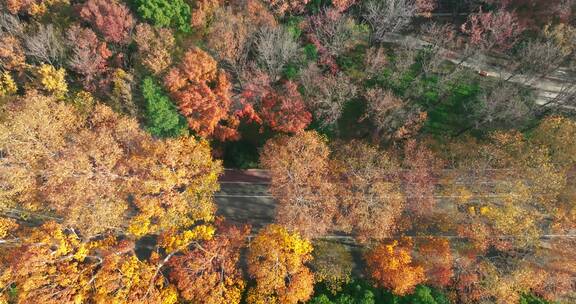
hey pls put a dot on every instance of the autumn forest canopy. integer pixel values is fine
(415, 151)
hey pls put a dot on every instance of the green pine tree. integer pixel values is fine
(166, 13)
(162, 117)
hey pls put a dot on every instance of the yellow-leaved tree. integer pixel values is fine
(52, 80)
(90, 184)
(277, 262)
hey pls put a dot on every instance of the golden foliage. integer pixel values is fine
(173, 241)
(332, 265)
(563, 34)
(154, 47)
(509, 184)
(276, 261)
(7, 85)
(53, 80)
(95, 168)
(7, 226)
(557, 134)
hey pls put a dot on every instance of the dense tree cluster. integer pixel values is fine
(418, 151)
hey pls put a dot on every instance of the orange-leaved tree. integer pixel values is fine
(390, 266)
(280, 107)
(202, 93)
(51, 264)
(284, 109)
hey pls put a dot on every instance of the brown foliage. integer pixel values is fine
(357, 191)
(535, 13)
(229, 35)
(326, 95)
(112, 19)
(554, 269)
(31, 7)
(258, 14)
(299, 166)
(391, 116)
(282, 7)
(154, 47)
(501, 278)
(369, 191)
(435, 255)
(233, 30)
(425, 7)
(342, 5)
(203, 11)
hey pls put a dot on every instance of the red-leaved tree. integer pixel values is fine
(112, 19)
(89, 55)
(284, 110)
(281, 108)
(209, 272)
(436, 257)
(420, 178)
(498, 30)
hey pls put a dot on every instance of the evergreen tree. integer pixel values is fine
(162, 117)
